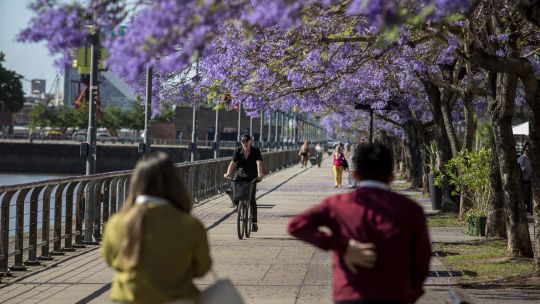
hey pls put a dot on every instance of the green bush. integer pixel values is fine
(470, 175)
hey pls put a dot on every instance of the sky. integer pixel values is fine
(31, 60)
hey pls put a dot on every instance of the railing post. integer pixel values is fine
(98, 200)
(79, 214)
(126, 188)
(45, 222)
(18, 264)
(106, 199)
(120, 193)
(68, 229)
(32, 231)
(113, 194)
(4, 237)
(57, 244)
(89, 213)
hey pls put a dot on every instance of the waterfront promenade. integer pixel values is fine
(270, 267)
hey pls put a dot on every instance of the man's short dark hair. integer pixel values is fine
(373, 161)
(245, 137)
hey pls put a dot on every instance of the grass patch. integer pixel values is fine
(484, 260)
(401, 186)
(445, 220)
(418, 196)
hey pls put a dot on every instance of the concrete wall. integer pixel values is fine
(65, 159)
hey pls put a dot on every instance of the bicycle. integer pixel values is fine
(243, 193)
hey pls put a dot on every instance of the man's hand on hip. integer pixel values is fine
(360, 254)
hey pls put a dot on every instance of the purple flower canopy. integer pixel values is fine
(265, 54)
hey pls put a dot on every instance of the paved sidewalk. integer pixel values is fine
(270, 267)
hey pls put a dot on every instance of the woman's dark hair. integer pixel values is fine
(155, 176)
(373, 161)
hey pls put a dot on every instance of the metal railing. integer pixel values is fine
(74, 209)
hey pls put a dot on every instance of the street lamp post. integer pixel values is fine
(239, 124)
(147, 111)
(216, 136)
(269, 131)
(251, 126)
(94, 79)
(368, 108)
(277, 131)
(282, 127)
(286, 130)
(193, 144)
(294, 130)
(90, 147)
(261, 129)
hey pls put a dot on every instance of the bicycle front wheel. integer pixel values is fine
(240, 220)
(248, 221)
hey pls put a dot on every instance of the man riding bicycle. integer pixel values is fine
(247, 159)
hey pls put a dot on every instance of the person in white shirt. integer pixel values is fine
(319, 153)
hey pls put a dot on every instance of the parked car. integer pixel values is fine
(104, 137)
(79, 136)
(53, 135)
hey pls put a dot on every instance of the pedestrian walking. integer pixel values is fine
(154, 244)
(319, 154)
(304, 154)
(526, 173)
(340, 163)
(380, 243)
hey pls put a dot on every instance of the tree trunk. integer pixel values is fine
(446, 112)
(414, 146)
(534, 152)
(519, 241)
(470, 125)
(496, 217)
(434, 96)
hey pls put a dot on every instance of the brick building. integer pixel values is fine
(228, 124)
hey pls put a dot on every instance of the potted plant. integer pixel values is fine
(476, 222)
(435, 191)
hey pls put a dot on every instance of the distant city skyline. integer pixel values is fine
(31, 60)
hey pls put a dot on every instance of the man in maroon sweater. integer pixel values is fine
(379, 238)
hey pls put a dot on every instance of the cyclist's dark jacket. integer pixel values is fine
(249, 165)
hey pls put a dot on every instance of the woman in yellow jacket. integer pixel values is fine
(154, 245)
